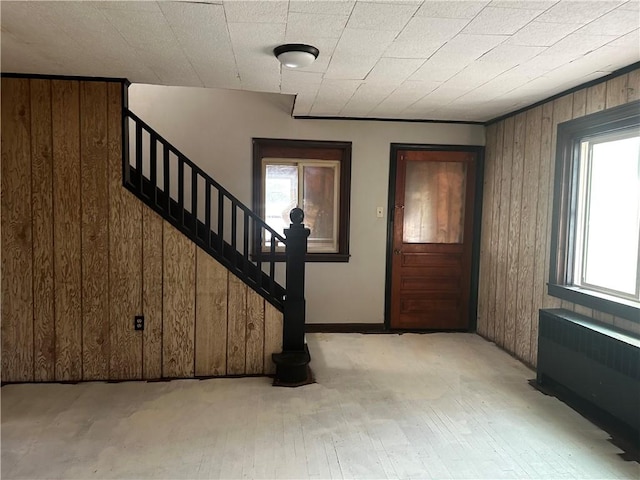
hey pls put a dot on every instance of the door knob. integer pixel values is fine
(396, 252)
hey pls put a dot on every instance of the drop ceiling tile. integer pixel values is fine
(334, 7)
(526, 5)
(218, 76)
(393, 70)
(365, 98)
(404, 96)
(581, 12)
(511, 54)
(305, 25)
(633, 5)
(616, 22)
(145, 6)
(27, 24)
(412, 49)
(628, 41)
(273, 11)
(382, 16)
(350, 61)
(333, 95)
(541, 34)
(431, 30)
(303, 104)
(201, 31)
(295, 81)
(501, 21)
(451, 9)
(439, 69)
(576, 45)
(254, 38)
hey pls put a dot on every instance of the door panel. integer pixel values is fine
(432, 239)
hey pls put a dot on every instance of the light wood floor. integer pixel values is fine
(385, 406)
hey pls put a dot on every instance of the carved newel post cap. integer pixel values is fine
(297, 216)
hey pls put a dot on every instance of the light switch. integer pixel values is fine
(379, 212)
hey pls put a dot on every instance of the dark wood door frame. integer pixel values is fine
(477, 221)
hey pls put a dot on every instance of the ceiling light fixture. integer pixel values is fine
(296, 55)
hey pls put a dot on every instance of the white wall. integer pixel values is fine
(214, 129)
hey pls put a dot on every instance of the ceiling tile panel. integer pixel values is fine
(350, 61)
(616, 22)
(201, 31)
(542, 34)
(511, 55)
(581, 12)
(449, 9)
(633, 5)
(412, 49)
(395, 59)
(402, 97)
(333, 95)
(503, 21)
(272, 11)
(524, 4)
(333, 7)
(382, 16)
(296, 81)
(305, 25)
(393, 70)
(432, 29)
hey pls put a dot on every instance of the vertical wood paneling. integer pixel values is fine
(633, 85)
(255, 333)
(236, 328)
(526, 248)
(211, 316)
(82, 257)
(17, 275)
(272, 336)
(179, 298)
(495, 228)
(616, 91)
(529, 205)
(42, 197)
(94, 169)
(152, 225)
(67, 236)
(544, 199)
(485, 235)
(514, 231)
(596, 98)
(502, 244)
(579, 103)
(125, 255)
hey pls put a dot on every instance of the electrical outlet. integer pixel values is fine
(138, 322)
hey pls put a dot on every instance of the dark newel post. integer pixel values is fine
(291, 364)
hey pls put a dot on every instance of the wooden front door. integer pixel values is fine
(432, 239)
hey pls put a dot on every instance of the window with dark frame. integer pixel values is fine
(312, 175)
(595, 240)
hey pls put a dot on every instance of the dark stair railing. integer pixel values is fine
(175, 187)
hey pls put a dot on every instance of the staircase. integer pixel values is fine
(209, 215)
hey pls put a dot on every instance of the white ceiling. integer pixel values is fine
(408, 59)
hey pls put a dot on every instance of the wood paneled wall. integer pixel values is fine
(516, 218)
(81, 257)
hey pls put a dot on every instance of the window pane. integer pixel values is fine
(434, 202)
(320, 206)
(612, 216)
(281, 195)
